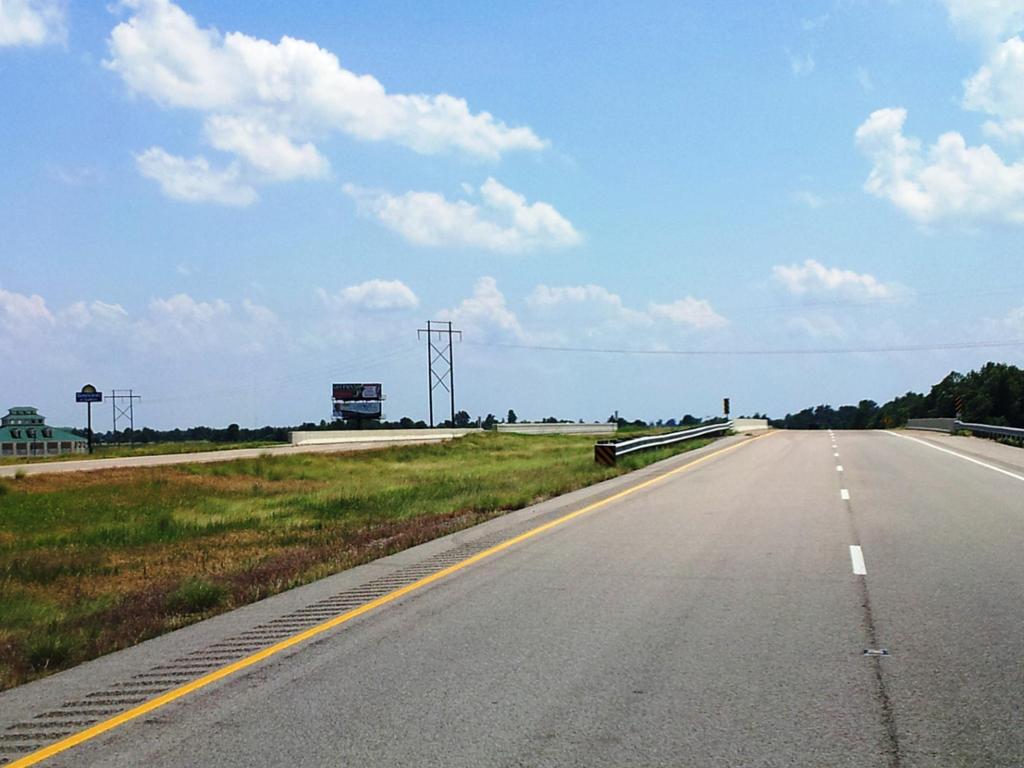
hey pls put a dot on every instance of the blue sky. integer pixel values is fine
(226, 206)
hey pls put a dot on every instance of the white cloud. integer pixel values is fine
(986, 20)
(800, 64)
(373, 295)
(22, 315)
(504, 222)
(181, 309)
(267, 102)
(605, 310)
(547, 296)
(485, 314)
(168, 328)
(270, 153)
(31, 22)
(75, 176)
(83, 314)
(1006, 131)
(997, 88)
(194, 181)
(814, 278)
(259, 313)
(690, 313)
(1014, 320)
(949, 180)
(818, 326)
(808, 198)
(815, 23)
(864, 80)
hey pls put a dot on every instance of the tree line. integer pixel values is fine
(994, 394)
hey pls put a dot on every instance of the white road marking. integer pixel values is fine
(857, 558)
(844, 495)
(836, 454)
(960, 456)
(839, 468)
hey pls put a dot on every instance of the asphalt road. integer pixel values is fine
(716, 617)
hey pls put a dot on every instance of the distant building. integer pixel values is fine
(23, 432)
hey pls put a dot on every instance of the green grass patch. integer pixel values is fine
(196, 596)
(93, 562)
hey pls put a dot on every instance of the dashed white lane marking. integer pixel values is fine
(839, 468)
(960, 456)
(857, 559)
(836, 454)
(844, 495)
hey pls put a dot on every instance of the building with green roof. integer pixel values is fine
(23, 432)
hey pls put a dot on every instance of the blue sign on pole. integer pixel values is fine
(89, 394)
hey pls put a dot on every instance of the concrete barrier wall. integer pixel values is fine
(934, 425)
(749, 425)
(382, 436)
(559, 429)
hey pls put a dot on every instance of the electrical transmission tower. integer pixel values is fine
(440, 361)
(124, 410)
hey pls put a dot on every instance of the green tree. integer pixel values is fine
(511, 418)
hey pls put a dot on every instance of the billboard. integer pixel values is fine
(356, 391)
(357, 409)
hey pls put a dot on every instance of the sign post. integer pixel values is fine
(89, 395)
(725, 406)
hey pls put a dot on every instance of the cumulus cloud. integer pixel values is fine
(94, 314)
(800, 64)
(268, 102)
(1014, 321)
(986, 21)
(194, 181)
(815, 279)
(22, 315)
(168, 327)
(31, 22)
(607, 310)
(503, 222)
(377, 295)
(948, 180)
(997, 88)
(690, 313)
(269, 152)
(808, 198)
(486, 314)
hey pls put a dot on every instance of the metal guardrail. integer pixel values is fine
(991, 429)
(607, 452)
(933, 425)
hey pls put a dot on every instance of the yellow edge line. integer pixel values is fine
(107, 725)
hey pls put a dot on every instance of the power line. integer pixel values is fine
(757, 352)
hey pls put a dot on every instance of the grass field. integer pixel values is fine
(139, 449)
(93, 562)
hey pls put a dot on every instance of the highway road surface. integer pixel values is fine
(713, 610)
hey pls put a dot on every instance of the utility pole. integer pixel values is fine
(124, 411)
(440, 361)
